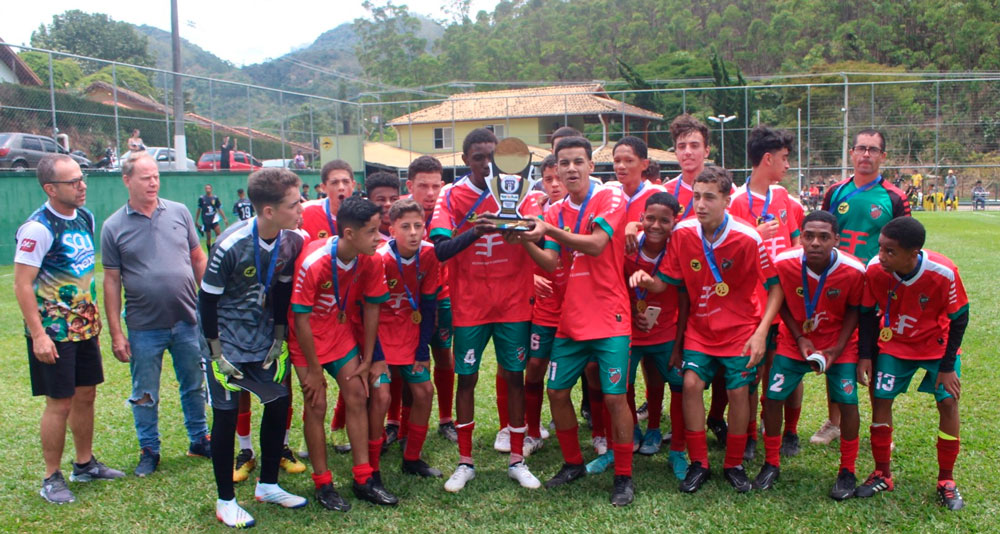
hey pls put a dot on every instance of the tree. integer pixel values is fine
(389, 46)
(94, 35)
(66, 72)
(127, 78)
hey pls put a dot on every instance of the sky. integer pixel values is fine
(222, 28)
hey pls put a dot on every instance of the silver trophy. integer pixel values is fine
(509, 182)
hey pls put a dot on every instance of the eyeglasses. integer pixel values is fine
(873, 150)
(76, 182)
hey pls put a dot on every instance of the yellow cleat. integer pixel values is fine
(290, 463)
(245, 464)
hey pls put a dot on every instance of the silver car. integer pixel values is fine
(20, 151)
(165, 158)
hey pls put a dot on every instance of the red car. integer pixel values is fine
(238, 161)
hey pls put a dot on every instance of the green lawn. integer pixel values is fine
(181, 495)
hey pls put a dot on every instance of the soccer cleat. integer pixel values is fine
(55, 490)
(949, 496)
(643, 412)
(502, 443)
(876, 482)
(341, 446)
(148, 461)
(420, 468)
(272, 493)
(585, 414)
(374, 492)
(202, 448)
(600, 444)
(826, 434)
(391, 436)
(696, 475)
(93, 470)
(750, 450)
(844, 487)
(448, 431)
(651, 442)
(623, 492)
(544, 432)
(232, 514)
(290, 463)
(601, 463)
(767, 477)
(331, 500)
(737, 476)
(790, 445)
(342, 449)
(245, 464)
(636, 438)
(719, 428)
(531, 445)
(679, 464)
(568, 473)
(459, 478)
(523, 476)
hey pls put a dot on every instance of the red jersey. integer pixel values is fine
(313, 292)
(596, 295)
(547, 311)
(685, 195)
(636, 204)
(315, 221)
(665, 328)
(779, 208)
(922, 308)
(488, 280)
(397, 332)
(843, 290)
(719, 325)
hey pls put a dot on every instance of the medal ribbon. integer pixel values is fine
(844, 198)
(677, 192)
(812, 299)
(265, 284)
(414, 303)
(641, 295)
(767, 202)
(628, 203)
(888, 301)
(472, 210)
(335, 275)
(579, 216)
(329, 217)
(709, 249)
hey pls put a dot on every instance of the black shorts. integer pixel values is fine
(78, 364)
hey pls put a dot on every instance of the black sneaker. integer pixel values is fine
(373, 491)
(568, 473)
(876, 482)
(790, 445)
(55, 490)
(949, 496)
(391, 436)
(624, 491)
(750, 450)
(697, 474)
(420, 467)
(737, 476)
(448, 431)
(844, 487)
(93, 470)
(585, 414)
(331, 500)
(148, 461)
(202, 448)
(719, 428)
(768, 476)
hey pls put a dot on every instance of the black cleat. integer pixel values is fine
(420, 467)
(391, 436)
(448, 431)
(844, 487)
(331, 500)
(876, 482)
(737, 476)
(585, 414)
(696, 476)
(374, 492)
(719, 428)
(567, 474)
(768, 476)
(790, 445)
(750, 450)
(623, 492)
(949, 496)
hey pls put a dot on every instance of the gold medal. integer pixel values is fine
(416, 317)
(885, 334)
(341, 317)
(808, 326)
(722, 289)
(641, 305)
(760, 221)
(843, 207)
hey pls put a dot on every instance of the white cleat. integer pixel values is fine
(826, 434)
(523, 476)
(273, 494)
(502, 443)
(600, 445)
(544, 432)
(531, 445)
(232, 514)
(459, 478)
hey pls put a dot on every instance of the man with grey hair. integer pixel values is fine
(54, 286)
(161, 314)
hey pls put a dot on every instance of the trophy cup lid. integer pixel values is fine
(511, 156)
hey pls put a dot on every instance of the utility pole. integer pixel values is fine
(180, 142)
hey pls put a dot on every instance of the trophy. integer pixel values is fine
(509, 182)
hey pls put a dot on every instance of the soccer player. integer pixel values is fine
(596, 320)
(823, 288)
(319, 217)
(244, 311)
(720, 262)
(654, 341)
(924, 312)
(382, 188)
(331, 276)
(210, 209)
(243, 208)
(54, 286)
(406, 325)
(492, 296)
(691, 146)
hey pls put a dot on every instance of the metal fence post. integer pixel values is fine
(847, 112)
(873, 105)
(114, 94)
(808, 130)
(211, 113)
(312, 129)
(249, 121)
(52, 98)
(166, 108)
(937, 127)
(798, 139)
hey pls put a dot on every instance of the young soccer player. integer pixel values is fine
(319, 217)
(244, 304)
(823, 288)
(382, 188)
(596, 320)
(691, 145)
(331, 276)
(923, 316)
(720, 262)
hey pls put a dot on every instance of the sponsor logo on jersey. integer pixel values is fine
(28, 245)
(326, 285)
(695, 265)
(614, 375)
(875, 211)
(924, 299)
(799, 291)
(322, 234)
(847, 385)
(392, 283)
(80, 251)
(832, 293)
(250, 271)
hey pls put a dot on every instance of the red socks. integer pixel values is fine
(698, 447)
(848, 453)
(361, 473)
(502, 401)
(569, 444)
(517, 444)
(533, 393)
(882, 448)
(243, 423)
(444, 383)
(678, 441)
(772, 449)
(947, 453)
(414, 442)
(752, 427)
(792, 419)
(374, 453)
(735, 444)
(623, 459)
(465, 441)
(322, 479)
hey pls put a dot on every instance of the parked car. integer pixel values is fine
(164, 158)
(238, 161)
(279, 163)
(22, 151)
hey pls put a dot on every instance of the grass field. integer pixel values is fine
(180, 497)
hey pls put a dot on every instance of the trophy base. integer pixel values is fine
(511, 224)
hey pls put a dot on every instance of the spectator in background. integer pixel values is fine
(225, 152)
(135, 143)
(243, 208)
(979, 195)
(305, 193)
(299, 162)
(950, 183)
(652, 173)
(320, 192)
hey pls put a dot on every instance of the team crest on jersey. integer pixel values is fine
(695, 265)
(847, 385)
(250, 271)
(832, 293)
(875, 211)
(799, 291)
(326, 285)
(322, 234)
(392, 283)
(28, 245)
(726, 264)
(520, 352)
(924, 299)
(614, 375)
(783, 214)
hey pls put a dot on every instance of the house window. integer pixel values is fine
(498, 130)
(443, 138)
